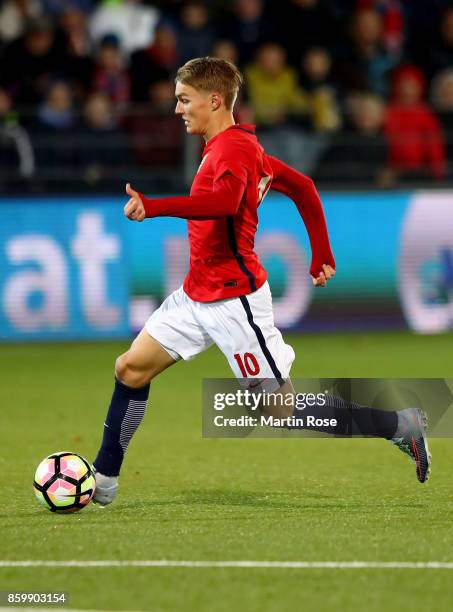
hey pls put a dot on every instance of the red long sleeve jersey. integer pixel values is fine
(233, 177)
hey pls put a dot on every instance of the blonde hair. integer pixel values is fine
(212, 74)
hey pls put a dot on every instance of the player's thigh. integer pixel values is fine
(245, 332)
(176, 327)
(144, 360)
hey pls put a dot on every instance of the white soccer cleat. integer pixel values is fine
(106, 488)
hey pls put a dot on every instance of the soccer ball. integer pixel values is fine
(64, 482)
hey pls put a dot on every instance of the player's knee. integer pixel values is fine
(128, 372)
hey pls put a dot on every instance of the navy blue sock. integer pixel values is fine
(352, 419)
(126, 412)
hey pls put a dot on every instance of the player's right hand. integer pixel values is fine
(134, 209)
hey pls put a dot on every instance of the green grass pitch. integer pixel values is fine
(185, 498)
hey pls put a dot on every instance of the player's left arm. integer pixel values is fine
(302, 191)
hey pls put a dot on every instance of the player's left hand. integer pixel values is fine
(327, 273)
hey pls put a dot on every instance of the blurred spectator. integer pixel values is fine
(248, 27)
(439, 54)
(393, 22)
(415, 136)
(442, 102)
(156, 63)
(31, 61)
(156, 132)
(55, 8)
(195, 34)
(273, 90)
(14, 15)
(225, 49)
(272, 87)
(103, 146)
(316, 80)
(364, 64)
(79, 62)
(110, 76)
(54, 137)
(16, 152)
(130, 20)
(360, 152)
(306, 23)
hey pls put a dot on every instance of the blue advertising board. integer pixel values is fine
(63, 272)
(72, 268)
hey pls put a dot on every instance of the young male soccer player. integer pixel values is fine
(225, 298)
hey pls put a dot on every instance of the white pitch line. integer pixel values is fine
(446, 565)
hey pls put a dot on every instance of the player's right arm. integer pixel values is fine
(224, 200)
(302, 191)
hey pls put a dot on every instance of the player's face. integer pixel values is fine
(194, 107)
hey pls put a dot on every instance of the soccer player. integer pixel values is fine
(225, 298)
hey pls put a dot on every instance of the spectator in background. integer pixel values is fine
(307, 23)
(316, 80)
(195, 34)
(155, 131)
(439, 54)
(16, 153)
(30, 62)
(276, 98)
(110, 76)
(442, 102)
(414, 133)
(393, 23)
(133, 23)
(14, 15)
(225, 49)
(359, 153)
(54, 136)
(79, 62)
(248, 27)
(272, 88)
(156, 63)
(55, 8)
(364, 64)
(103, 145)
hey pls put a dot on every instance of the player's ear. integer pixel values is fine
(216, 101)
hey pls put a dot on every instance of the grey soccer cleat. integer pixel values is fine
(410, 437)
(106, 488)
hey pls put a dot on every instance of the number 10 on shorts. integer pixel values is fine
(248, 364)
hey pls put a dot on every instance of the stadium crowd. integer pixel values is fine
(349, 91)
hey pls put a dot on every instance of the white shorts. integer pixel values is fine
(242, 327)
